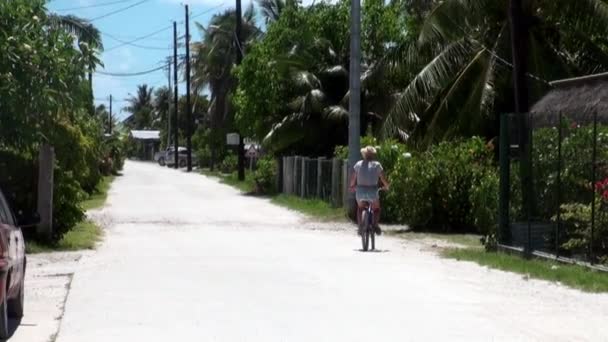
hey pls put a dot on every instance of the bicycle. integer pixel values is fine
(366, 225)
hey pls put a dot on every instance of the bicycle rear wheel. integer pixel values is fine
(364, 230)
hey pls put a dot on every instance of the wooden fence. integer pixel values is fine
(321, 178)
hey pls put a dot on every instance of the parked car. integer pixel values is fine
(12, 267)
(161, 156)
(182, 158)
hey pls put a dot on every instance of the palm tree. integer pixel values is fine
(141, 107)
(272, 9)
(465, 52)
(89, 41)
(162, 106)
(213, 60)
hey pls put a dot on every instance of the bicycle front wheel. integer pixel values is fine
(364, 231)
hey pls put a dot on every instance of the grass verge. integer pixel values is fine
(232, 179)
(465, 240)
(84, 235)
(312, 207)
(573, 276)
(98, 198)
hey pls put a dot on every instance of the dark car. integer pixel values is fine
(12, 267)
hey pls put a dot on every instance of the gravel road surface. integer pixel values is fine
(188, 259)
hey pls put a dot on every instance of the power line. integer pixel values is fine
(136, 39)
(135, 45)
(119, 10)
(140, 73)
(162, 29)
(105, 4)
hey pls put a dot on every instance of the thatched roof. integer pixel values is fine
(576, 98)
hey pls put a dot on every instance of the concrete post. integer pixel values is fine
(320, 177)
(336, 172)
(304, 177)
(346, 196)
(46, 163)
(297, 176)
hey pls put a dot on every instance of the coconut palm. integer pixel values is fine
(141, 107)
(214, 58)
(316, 118)
(464, 47)
(272, 9)
(89, 37)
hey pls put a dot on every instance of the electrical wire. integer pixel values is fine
(135, 45)
(140, 73)
(119, 10)
(223, 4)
(105, 4)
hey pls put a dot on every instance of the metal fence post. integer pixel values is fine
(559, 183)
(505, 180)
(593, 181)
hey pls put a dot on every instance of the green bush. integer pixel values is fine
(265, 176)
(576, 188)
(203, 155)
(446, 187)
(229, 164)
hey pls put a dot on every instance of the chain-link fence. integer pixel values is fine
(554, 186)
(315, 178)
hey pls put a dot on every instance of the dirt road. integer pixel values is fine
(188, 259)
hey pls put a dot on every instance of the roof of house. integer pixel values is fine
(578, 99)
(145, 135)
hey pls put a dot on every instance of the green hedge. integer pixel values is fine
(451, 187)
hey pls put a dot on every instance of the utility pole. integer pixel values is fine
(169, 102)
(175, 98)
(188, 105)
(239, 59)
(519, 50)
(110, 118)
(354, 130)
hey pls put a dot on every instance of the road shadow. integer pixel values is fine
(13, 324)
(374, 251)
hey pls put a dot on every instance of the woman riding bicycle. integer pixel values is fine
(364, 182)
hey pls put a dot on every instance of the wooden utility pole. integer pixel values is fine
(188, 105)
(110, 117)
(239, 59)
(175, 99)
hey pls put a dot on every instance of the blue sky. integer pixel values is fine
(138, 21)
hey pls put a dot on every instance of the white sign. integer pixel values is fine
(232, 139)
(252, 152)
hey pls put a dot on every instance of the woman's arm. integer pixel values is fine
(385, 184)
(353, 181)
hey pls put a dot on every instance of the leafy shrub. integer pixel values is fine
(203, 155)
(443, 188)
(266, 175)
(229, 164)
(576, 189)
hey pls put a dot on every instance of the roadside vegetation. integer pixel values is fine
(573, 276)
(46, 97)
(85, 234)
